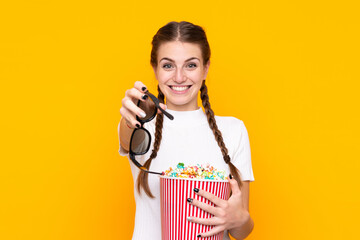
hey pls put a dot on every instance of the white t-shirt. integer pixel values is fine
(187, 139)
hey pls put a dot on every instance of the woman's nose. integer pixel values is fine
(180, 76)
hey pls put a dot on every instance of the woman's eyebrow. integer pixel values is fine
(169, 59)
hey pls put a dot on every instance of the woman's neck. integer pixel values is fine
(185, 107)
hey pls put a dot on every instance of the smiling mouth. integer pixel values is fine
(179, 87)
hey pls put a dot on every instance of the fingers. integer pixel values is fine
(163, 106)
(234, 187)
(206, 207)
(206, 221)
(129, 108)
(129, 118)
(140, 86)
(211, 197)
(215, 230)
(135, 95)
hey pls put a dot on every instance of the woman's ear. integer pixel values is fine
(206, 69)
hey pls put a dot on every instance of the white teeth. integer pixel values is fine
(179, 88)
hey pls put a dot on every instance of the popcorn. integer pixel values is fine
(196, 172)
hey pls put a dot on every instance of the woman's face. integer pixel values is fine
(180, 71)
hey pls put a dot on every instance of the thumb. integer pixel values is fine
(234, 185)
(163, 106)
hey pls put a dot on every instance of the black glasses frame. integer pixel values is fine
(142, 122)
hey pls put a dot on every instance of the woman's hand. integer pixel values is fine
(129, 109)
(228, 214)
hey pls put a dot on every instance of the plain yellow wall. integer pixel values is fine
(288, 69)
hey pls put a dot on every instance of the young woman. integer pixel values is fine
(180, 58)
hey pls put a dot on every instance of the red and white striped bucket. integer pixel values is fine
(175, 209)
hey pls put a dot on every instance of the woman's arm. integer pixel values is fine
(128, 112)
(243, 231)
(124, 134)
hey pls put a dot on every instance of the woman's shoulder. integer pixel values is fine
(233, 131)
(229, 121)
(230, 126)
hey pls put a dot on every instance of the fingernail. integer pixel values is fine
(189, 200)
(196, 190)
(198, 235)
(137, 125)
(230, 176)
(143, 88)
(188, 218)
(142, 114)
(144, 97)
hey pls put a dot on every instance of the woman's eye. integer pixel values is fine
(192, 65)
(167, 66)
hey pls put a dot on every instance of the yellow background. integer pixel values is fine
(288, 69)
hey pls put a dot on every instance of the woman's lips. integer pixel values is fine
(180, 89)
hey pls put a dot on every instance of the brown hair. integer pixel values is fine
(190, 33)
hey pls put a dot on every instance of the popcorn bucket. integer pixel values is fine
(175, 209)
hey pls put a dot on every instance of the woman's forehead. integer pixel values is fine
(179, 51)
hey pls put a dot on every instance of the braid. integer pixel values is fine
(142, 180)
(218, 136)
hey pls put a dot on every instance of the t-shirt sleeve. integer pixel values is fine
(242, 154)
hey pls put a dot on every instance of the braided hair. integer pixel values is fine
(142, 180)
(218, 136)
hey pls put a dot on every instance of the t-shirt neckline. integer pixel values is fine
(186, 118)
